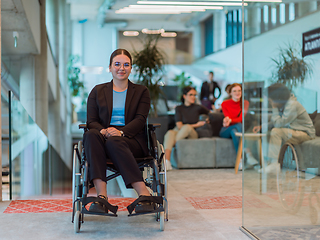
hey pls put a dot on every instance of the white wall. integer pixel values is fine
(94, 46)
(32, 10)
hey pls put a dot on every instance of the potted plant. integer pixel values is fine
(76, 85)
(291, 69)
(148, 67)
(182, 81)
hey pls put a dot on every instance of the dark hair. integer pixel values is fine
(185, 91)
(227, 89)
(211, 73)
(279, 93)
(120, 51)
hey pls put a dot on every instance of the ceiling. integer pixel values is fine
(89, 9)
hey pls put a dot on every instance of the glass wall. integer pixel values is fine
(35, 168)
(281, 150)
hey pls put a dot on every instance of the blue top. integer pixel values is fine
(119, 101)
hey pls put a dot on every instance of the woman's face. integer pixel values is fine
(120, 68)
(190, 97)
(236, 93)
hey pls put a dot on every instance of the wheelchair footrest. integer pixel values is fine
(159, 209)
(153, 199)
(111, 208)
(85, 211)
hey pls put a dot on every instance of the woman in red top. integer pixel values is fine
(232, 111)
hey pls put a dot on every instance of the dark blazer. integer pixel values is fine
(205, 90)
(137, 105)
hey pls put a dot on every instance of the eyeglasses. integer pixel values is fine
(118, 65)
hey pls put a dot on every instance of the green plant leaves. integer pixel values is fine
(290, 69)
(148, 65)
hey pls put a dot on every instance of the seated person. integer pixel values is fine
(232, 111)
(187, 120)
(289, 121)
(116, 115)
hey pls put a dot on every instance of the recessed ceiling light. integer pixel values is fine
(156, 31)
(130, 33)
(168, 34)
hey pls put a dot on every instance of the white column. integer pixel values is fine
(306, 7)
(41, 82)
(252, 26)
(219, 31)
(114, 38)
(27, 85)
(196, 41)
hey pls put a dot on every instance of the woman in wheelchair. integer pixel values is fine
(289, 122)
(116, 116)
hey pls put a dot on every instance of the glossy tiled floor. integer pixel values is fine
(203, 204)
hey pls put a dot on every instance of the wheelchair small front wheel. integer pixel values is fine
(77, 222)
(161, 221)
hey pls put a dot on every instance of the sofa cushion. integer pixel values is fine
(225, 152)
(309, 151)
(313, 115)
(194, 153)
(316, 123)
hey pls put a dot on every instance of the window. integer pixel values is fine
(282, 8)
(234, 27)
(291, 12)
(208, 35)
(273, 16)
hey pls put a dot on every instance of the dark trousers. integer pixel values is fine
(120, 150)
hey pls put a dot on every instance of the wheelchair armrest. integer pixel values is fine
(83, 126)
(153, 126)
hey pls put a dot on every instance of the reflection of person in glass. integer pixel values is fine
(290, 122)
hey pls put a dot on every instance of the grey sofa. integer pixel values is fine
(213, 152)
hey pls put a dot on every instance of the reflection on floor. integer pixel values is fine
(294, 205)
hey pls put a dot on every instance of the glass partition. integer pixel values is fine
(281, 155)
(35, 167)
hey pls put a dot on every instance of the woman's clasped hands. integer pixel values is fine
(110, 132)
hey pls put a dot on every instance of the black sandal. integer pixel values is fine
(98, 206)
(145, 205)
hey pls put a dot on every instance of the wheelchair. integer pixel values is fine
(292, 181)
(153, 169)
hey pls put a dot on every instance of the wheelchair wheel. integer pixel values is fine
(163, 216)
(77, 222)
(76, 172)
(161, 219)
(289, 180)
